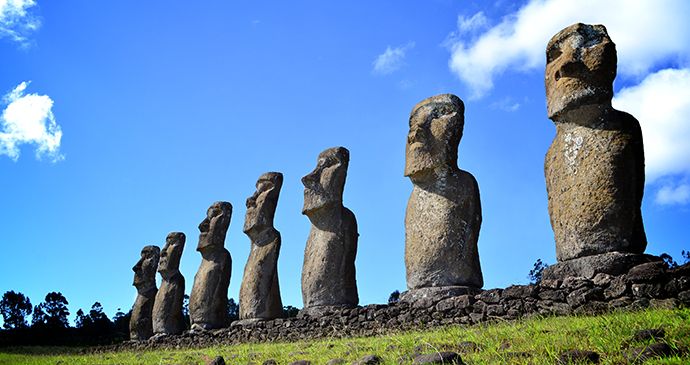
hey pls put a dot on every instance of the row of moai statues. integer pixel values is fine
(594, 173)
(329, 266)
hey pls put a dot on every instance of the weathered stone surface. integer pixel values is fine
(683, 270)
(574, 283)
(491, 296)
(644, 353)
(612, 263)
(328, 273)
(578, 357)
(443, 215)
(140, 324)
(594, 168)
(617, 288)
(647, 272)
(167, 310)
(644, 335)
(368, 360)
(646, 290)
(218, 360)
(301, 362)
(684, 297)
(435, 294)
(555, 295)
(208, 299)
(584, 295)
(443, 357)
(520, 291)
(602, 279)
(260, 292)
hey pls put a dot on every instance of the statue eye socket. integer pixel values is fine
(552, 54)
(264, 185)
(438, 113)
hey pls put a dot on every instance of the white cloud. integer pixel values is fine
(661, 102)
(471, 24)
(28, 119)
(669, 194)
(405, 84)
(391, 60)
(506, 104)
(16, 23)
(646, 32)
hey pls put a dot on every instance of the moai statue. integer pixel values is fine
(208, 300)
(167, 310)
(328, 273)
(595, 166)
(140, 324)
(259, 292)
(444, 211)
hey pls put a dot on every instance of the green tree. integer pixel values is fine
(185, 311)
(14, 308)
(290, 311)
(394, 297)
(82, 320)
(96, 326)
(669, 260)
(534, 275)
(233, 310)
(52, 312)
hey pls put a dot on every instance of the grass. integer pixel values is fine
(543, 338)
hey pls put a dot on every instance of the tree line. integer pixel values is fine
(49, 324)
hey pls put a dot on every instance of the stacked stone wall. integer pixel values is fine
(650, 284)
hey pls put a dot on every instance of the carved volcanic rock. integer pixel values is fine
(140, 324)
(167, 310)
(328, 273)
(208, 299)
(443, 215)
(260, 291)
(594, 168)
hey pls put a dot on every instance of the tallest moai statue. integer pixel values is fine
(595, 166)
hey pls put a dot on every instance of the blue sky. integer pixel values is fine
(124, 121)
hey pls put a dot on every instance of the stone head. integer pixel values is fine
(145, 269)
(215, 226)
(436, 126)
(261, 206)
(171, 253)
(324, 186)
(580, 68)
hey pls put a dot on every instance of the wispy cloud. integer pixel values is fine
(506, 104)
(391, 60)
(28, 119)
(659, 32)
(661, 102)
(16, 21)
(673, 194)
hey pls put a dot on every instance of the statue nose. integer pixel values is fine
(416, 134)
(251, 201)
(137, 267)
(204, 226)
(310, 179)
